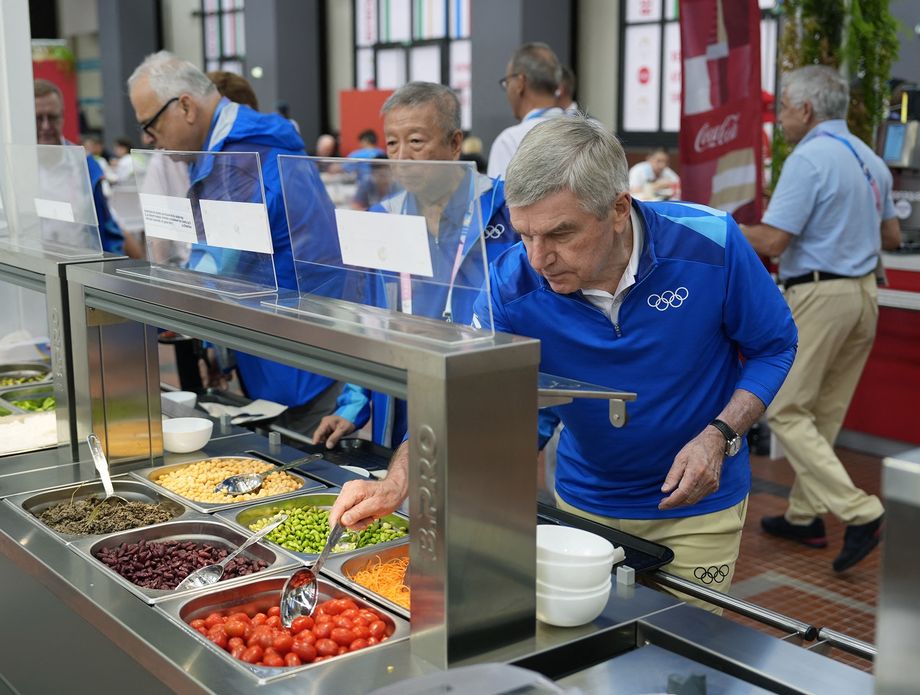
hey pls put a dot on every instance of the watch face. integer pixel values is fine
(733, 447)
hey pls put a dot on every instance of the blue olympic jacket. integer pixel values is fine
(113, 240)
(237, 128)
(703, 319)
(390, 414)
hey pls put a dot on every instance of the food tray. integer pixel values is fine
(10, 394)
(353, 452)
(341, 566)
(261, 594)
(152, 474)
(21, 370)
(32, 504)
(241, 518)
(200, 528)
(642, 555)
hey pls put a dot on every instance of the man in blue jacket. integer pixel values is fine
(421, 121)
(179, 108)
(665, 299)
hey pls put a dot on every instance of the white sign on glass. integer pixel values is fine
(168, 217)
(398, 243)
(232, 225)
(59, 210)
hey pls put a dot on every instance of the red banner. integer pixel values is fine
(721, 160)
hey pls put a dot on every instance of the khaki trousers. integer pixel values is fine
(836, 321)
(705, 546)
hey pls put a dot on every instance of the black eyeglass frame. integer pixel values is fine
(503, 82)
(146, 125)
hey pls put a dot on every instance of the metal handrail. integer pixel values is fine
(764, 615)
(847, 643)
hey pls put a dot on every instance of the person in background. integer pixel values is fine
(530, 83)
(471, 151)
(96, 149)
(421, 121)
(375, 188)
(565, 94)
(49, 123)
(327, 146)
(283, 109)
(367, 149)
(179, 108)
(830, 215)
(235, 88)
(122, 164)
(664, 299)
(653, 179)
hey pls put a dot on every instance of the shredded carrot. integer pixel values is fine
(388, 579)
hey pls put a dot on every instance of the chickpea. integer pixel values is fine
(198, 480)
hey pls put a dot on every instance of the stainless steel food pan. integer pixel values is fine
(341, 568)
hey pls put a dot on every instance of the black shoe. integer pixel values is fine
(812, 535)
(858, 541)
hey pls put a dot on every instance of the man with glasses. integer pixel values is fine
(179, 108)
(49, 124)
(530, 83)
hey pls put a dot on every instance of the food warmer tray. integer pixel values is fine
(642, 555)
(152, 474)
(199, 527)
(32, 504)
(341, 566)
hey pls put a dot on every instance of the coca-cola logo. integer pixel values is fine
(711, 136)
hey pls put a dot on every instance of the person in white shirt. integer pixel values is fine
(565, 94)
(653, 179)
(530, 83)
(122, 164)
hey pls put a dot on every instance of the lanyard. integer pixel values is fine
(538, 113)
(876, 193)
(405, 279)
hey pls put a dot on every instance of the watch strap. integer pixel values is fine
(727, 432)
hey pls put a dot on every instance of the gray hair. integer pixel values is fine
(537, 62)
(169, 76)
(821, 85)
(572, 153)
(415, 94)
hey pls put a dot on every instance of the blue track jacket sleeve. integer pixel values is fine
(757, 319)
(354, 404)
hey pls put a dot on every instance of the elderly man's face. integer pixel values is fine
(176, 126)
(413, 132)
(569, 247)
(49, 119)
(794, 119)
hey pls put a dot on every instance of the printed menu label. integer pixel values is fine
(54, 209)
(168, 217)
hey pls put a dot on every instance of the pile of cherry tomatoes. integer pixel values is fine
(337, 626)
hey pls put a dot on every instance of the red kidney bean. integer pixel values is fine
(163, 564)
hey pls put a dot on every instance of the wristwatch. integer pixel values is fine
(732, 438)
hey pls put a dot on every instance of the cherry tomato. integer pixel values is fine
(282, 643)
(234, 641)
(203, 630)
(273, 621)
(219, 638)
(342, 650)
(217, 631)
(238, 651)
(252, 654)
(333, 607)
(372, 640)
(304, 622)
(274, 610)
(269, 654)
(326, 647)
(347, 603)
(292, 660)
(242, 617)
(361, 632)
(213, 619)
(357, 644)
(341, 621)
(235, 628)
(350, 613)
(198, 622)
(342, 636)
(322, 630)
(378, 628)
(306, 636)
(259, 619)
(306, 652)
(362, 621)
(262, 636)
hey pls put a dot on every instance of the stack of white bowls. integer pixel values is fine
(573, 574)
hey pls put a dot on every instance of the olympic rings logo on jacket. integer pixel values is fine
(668, 299)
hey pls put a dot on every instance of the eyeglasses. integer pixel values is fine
(503, 82)
(148, 124)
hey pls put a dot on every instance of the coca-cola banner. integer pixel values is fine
(720, 128)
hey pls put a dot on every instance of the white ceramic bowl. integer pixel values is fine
(184, 434)
(566, 592)
(571, 611)
(186, 398)
(572, 545)
(578, 575)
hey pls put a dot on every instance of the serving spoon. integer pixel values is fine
(102, 466)
(301, 592)
(250, 482)
(209, 574)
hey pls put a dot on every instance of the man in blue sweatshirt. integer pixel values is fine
(665, 299)
(179, 108)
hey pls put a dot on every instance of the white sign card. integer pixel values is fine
(232, 225)
(642, 78)
(168, 217)
(59, 210)
(398, 243)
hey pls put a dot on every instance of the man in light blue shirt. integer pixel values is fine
(830, 215)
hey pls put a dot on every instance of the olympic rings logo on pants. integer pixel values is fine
(668, 299)
(708, 575)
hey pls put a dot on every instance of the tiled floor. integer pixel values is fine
(798, 581)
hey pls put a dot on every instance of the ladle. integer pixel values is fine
(102, 466)
(301, 593)
(250, 482)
